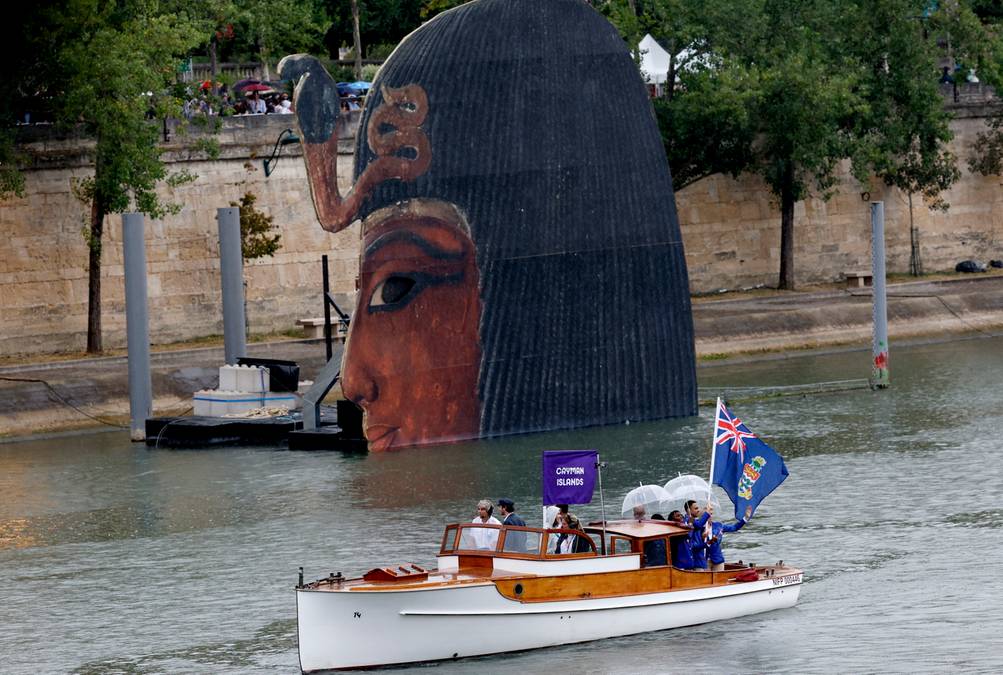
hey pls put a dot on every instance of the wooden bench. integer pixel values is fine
(314, 328)
(858, 279)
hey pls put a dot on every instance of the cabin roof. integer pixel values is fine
(638, 530)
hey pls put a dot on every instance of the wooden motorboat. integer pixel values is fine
(500, 589)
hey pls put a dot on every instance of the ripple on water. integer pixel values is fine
(130, 560)
(276, 638)
(991, 519)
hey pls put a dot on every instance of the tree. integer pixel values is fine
(903, 130)
(280, 27)
(381, 22)
(96, 62)
(977, 31)
(707, 126)
(704, 112)
(255, 226)
(788, 89)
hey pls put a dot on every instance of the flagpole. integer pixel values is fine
(713, 449)
(602, 503)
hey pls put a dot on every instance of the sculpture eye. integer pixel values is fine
(392, 291)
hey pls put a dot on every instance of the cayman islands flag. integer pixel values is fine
(744, 466)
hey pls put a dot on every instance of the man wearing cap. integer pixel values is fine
(514, 541)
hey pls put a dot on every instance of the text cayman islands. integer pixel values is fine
(577, 471)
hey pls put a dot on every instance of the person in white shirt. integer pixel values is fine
(485, 538)
(255, 105)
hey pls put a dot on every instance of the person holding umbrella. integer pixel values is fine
(256, 106)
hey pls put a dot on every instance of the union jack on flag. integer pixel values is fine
(730, 432)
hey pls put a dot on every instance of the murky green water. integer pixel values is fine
(117, 558)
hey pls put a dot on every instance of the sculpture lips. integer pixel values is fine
(380, 436)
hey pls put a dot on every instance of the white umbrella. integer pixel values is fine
(681, 489)
(648, 496)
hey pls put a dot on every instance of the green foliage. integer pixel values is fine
(99, 68)
(788, 89)
(255, 227)
(342, 73)
(430, 8)
(381, 22)
(380, 52)
(280, 27)
(104, 76)
(369, 72)
(988, 160)
(11, 178)
(244, 30)
(708, 127)
(900, 125)
(976, 30)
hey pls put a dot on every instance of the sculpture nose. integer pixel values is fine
(357, 384)
(360, 390)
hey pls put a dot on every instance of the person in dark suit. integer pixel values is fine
(654, 550)
(514, 541)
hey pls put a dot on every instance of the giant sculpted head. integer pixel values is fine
(521, 263)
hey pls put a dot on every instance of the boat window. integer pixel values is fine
(620, 545)
(449, 539)
(479, 538)
(570, 542)
(521, 541)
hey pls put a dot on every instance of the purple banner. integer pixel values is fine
(569, 476)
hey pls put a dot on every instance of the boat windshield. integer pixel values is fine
(521, 541)
(479, 538)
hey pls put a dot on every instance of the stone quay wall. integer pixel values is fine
(731, 231)
(731, 228)
(43, 269)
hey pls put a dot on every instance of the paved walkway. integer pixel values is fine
(88, 392)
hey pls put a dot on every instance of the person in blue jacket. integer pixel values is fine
(717, 531)
(680, 544)
(698, 546)
(714, 543)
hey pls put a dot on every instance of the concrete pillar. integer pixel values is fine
(879, 351)
(137, 325)
(231, 267)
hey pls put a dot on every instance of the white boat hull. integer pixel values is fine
(353, 629)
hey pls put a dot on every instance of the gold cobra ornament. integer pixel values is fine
(402, 150)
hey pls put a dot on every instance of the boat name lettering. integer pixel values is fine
(787, 580)
(576, 470)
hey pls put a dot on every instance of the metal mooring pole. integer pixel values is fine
(879, 366)
(232, 278)
(137, 325)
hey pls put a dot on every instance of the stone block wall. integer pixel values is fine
(731, 230)
(43, 271)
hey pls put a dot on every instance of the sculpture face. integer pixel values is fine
(412, 357)
(522, 267)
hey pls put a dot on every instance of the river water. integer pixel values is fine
(116, 558)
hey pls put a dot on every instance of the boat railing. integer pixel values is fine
(509, 541)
